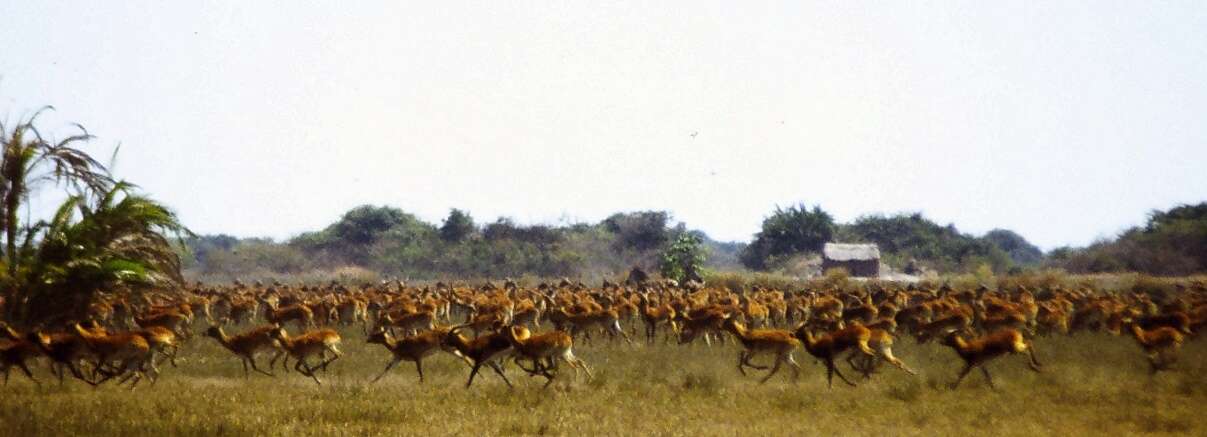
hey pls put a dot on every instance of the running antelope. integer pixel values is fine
(828, 346)
(249, 344)
(978, 352)
(309, 344)
(776, 342)
(1160, 344)
(545, 350)
(483, 350)
(414, 348)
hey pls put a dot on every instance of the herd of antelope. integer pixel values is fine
(127, 339)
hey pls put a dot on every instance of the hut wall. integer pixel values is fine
(863, 269)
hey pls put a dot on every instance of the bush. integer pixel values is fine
(745, 281)
(836, 278)
(1158, 288)
(1171, 243)
(458, 226)
(788, 232)
(684, 259)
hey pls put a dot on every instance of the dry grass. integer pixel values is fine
(1093, 385)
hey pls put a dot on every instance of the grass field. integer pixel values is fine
(1093, 384)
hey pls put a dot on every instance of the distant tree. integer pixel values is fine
(944, 248)
(1182, 213)
(205, 245)
(363, 224)
(796, 229)
(683, 259)
(505, 229)
(1061, 253)
(642, 231)
(1020, 250)
(363, 233)
(1171, 243)
(457, 227)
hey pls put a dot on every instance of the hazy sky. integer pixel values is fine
(1064, 121)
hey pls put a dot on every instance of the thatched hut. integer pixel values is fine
(860, 260)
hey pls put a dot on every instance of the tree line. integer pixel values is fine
(393, 242)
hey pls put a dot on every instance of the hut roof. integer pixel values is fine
(851, 252)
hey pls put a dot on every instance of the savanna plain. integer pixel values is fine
(1091, 384)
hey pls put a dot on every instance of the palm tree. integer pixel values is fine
(102, 237)
(28, 161)
(118, 240)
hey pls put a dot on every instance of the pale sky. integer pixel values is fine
(1063, 121)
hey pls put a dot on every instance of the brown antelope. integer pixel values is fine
(705, 322)
(127, 353)
(655, 315)
(1050, 319)
(298, 313)
(978, 352)
(161, 340)
(1160, 344)
(887, 324)
(249, 344)
(414, 348)
(881, 342)
(324, 312)
(1179, 321)
(865, 312)
(827, 306)
(64, 350)
(220, 310)
(410, 323)
(942, 326)
(200, 304)
(485, 321)
(308, 344)
(174, 321)
(242, 311)
(545, 350)
(1005, 320)
(353, 310)
(483, 350)
(16, 351)
(776, 342)
(756, 313)
(527, 314)
(828, 346)
(607, 320)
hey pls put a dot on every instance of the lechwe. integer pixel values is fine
(249, 344)
(16, 351)
(309, 344)
(414, 348)
(978, 352)
(828, 346)
(881, 342)
(485, 350)
(776, 342)
(1160, 344)
(123, 353)
(545, 350)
